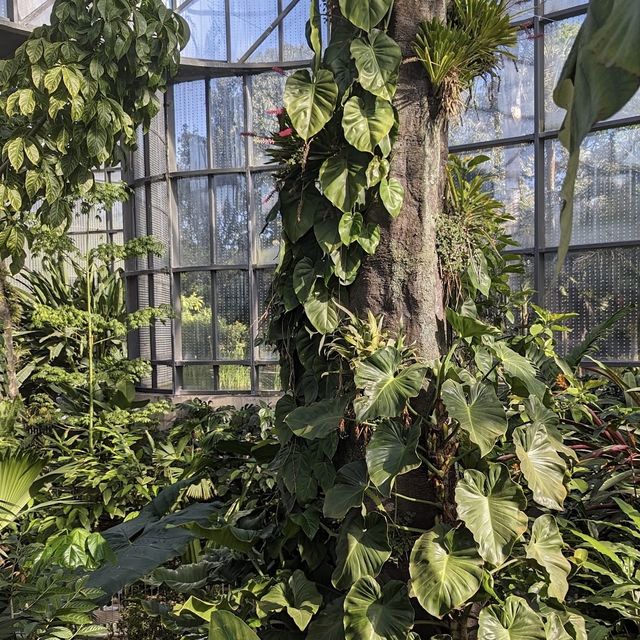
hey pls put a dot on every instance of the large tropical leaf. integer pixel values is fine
(310, 100)
(348, 491)
(225, 626)
(343, 178)
(517, 366)
(599, 77)
(298, 210)
(445, 569)
(367, 121)
(149, 540)
(545, 547)
(337, 55)
(299, 597)
(361, 550)
(541, 465)
(387, 384)
(516, 620)
(480, 415)
(374, 613)
(322, 310)
(490, 504)
(392, 195)
(317, 420)
(328, 625)
(392, 452)
(18, 473)
(377, 60)
(365, 14)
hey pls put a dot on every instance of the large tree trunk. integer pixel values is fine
(401, 280)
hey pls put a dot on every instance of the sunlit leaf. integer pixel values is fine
(515, 620)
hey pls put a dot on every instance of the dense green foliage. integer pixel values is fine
(294, 521)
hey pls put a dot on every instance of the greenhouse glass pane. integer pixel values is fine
(195, 316)
(232, 233)
(190, 122)
(233, 377)
(511, 181)
(606, 206)
(267, 91)
(558, 39)
(266, 197)
(548, 6)
(502, 106)
(232, 317)
(197, 377)
(208, 26)
(33, 12)
(269, 378)
(264, 278)
(249, 20)
(227, 122)
(594, 285)
(194, 222)
(521, 9)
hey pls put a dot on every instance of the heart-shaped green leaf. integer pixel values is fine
(367, 121)
(322, 310)
(310, 100)
(541, 465)
(317, 420)
(365, 14)
(515, 620)
(343, 178)
(387, 384)
(480, 415)
(445, 569)
(545, 547)
(299, 597)
(348, 491)
(225, 626)
(298, 211)
(372, 613)
(490, 504)
(328, 625)
(391, 452)
(350, 227)
(337, 55)
(361, 550)
(392, 196)
(370, 238)
(304, 277)
(377, 60)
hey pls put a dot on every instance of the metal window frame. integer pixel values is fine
(538, 137)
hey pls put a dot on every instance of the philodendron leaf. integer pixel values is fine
(392, 452)
(543, 468)
(361, 550)
(516, 620)
(480, 413)
(317, 420)
(310, 100)
(350, 227)
(374, 613)
(445, 569)
(225, 626)
(367, 121)
(348, 491)
(392, 195)
(343, 178)
(328, 625)
(322, 310)
(299, 597)
(387, 384)
(365, 14)
(566, 625)
(377, 60)
(490, 504)
(545, 547)
(304, 277)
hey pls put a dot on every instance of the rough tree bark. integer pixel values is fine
(401, 281)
